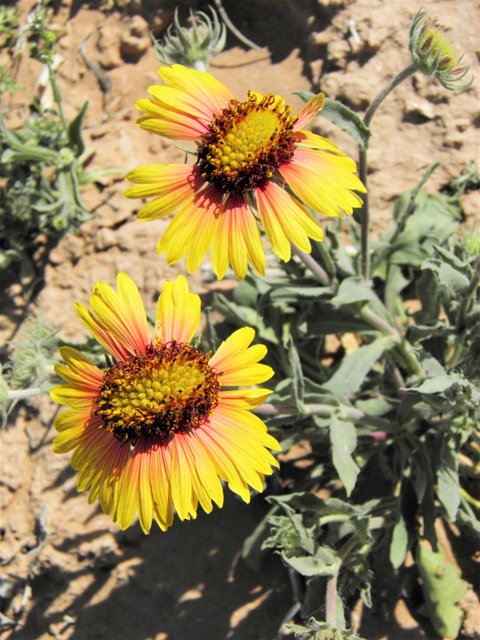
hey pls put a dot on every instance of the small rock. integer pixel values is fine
(105, 239)
(135, 39)
(421, 107)
(109, 44)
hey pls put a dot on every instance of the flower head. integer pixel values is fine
(253, 162)
(434, 54)
(157, 428)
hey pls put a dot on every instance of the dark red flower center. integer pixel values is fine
(246, 143)
(171, 388)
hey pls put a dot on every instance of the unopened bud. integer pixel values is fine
(434, 54)
(192, 47)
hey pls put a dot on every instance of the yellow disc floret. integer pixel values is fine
(169, 388)
(243, 147)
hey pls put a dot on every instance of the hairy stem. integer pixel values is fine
(350, 413)
(20, 394)
(312, 264)
(363, 164)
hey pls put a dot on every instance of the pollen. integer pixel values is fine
(169, 389)
(246, 144)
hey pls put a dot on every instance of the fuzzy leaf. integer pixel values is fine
(450, 278)
(353, 290)
(343, 437)
(448, 482)
(75, 131)
(399, 544)
(321, 564)
(353, 370)
(439, 384)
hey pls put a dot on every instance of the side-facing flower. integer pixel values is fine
(253, 162)
(434, 54)
(158, 429)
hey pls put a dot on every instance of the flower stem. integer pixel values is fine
(462, 310)
(349, 413)
(20, 394)
(363, 164)
(312, 264)
(331, 599)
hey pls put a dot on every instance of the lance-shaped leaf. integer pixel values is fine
(349, 376)
(448, 481)
(344, 440)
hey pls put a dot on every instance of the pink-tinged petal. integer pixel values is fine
(209, 487)
(231, 348)
(237, 241)
(203, 86)
(241, 427)
(72, 396)
(209, 203)
(122, 314)
(135, 316)
(334, 167)
(178, 311)
(89, 385)
(248, 426)
(248, 457)
(106, 484)
(175, 187)
(224, 461)
(168, 122)
(244, 398)
(93, 437)
(269, 215)
(100, 334)
(254, 374)
(181, 101)
(136, 491)
(323, 181)
(193, 229)
(313, 141)
(71, 418)
(160, 465)
(81, 372)
(309, 111)
(198, 489)
(181, 478)
(296, 223)
(164, 176)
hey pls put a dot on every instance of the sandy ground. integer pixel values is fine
(90, 580)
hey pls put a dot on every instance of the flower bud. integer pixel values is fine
(192, 47)
(434, 54)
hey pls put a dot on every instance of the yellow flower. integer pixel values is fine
(156, 429)
(253, 161)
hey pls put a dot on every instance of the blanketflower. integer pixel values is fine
(253, 160)
(157, 428)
